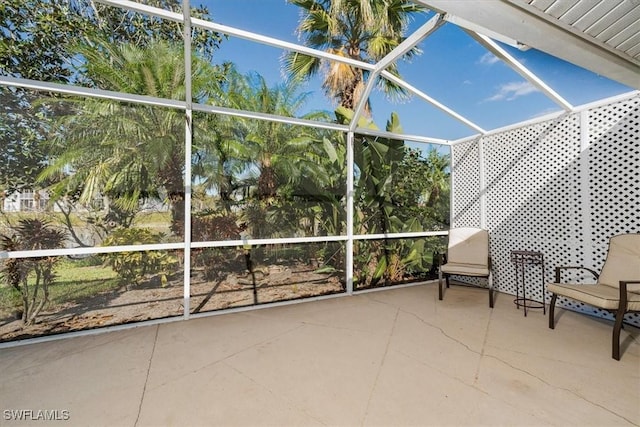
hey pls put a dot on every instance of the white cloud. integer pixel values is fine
(545, 112)
(512, 90)
(488, 59)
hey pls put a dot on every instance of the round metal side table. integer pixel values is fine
(522, 260)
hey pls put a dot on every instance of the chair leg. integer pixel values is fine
(490, 290)
(440, 284)
(552, 306)
(447, 279)
(617, 326)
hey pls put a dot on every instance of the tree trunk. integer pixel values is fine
(172, 177)
(177, 213)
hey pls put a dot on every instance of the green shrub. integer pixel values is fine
(210, 226)
(30, 279)
(131, 267)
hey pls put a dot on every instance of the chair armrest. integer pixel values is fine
(624, 283)
(559, 269)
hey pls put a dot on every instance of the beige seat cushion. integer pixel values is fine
(465, 269)
(606, 297)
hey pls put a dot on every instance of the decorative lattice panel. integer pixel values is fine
(466, 185)
(533, 198)
(614, 182)
(561, 187)
(614, 158)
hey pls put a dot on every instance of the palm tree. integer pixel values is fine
(128, 153)
(220, 161)
(281, 155)
(438, 176)
(365, 30)
(280, 151)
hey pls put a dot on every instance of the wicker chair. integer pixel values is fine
(611, 292)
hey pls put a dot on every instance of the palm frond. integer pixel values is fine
(365, 30)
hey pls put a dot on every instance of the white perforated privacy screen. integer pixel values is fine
(562, 187)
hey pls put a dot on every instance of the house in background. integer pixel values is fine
(27, 200)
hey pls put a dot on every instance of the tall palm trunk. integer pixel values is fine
(267, 182)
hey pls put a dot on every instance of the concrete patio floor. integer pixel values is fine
(395, 357)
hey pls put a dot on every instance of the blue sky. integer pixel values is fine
(453, 68)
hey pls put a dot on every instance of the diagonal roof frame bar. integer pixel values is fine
(247, 35)
(517, 66)
(270, 41)
(432, 101)
(410, 42)
(362, 103)
(407, 44)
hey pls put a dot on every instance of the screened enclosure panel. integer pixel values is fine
(260, 179)
(117, 165)
(224, 278)
(388, 262)
(129, 160)
(399, 186)
(88, 292)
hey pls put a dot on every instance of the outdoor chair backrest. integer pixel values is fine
(468, 246)
(623, 260)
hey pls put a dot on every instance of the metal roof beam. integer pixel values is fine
(407, 44)
(90, 92)
(362, 103)
(505, 56)
(161, 102)
(432, 101)
(247, 35)
(410, 42)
